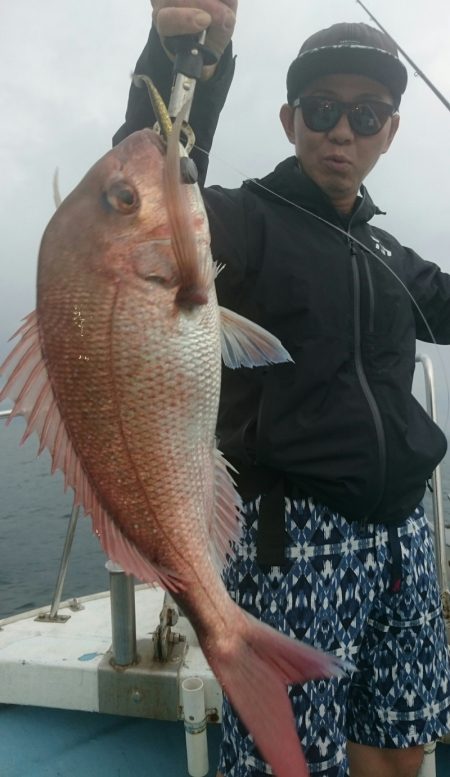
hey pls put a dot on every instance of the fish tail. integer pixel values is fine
(254, 671)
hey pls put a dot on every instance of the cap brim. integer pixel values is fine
(357, 59)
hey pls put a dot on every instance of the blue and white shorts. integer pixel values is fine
(335, 593)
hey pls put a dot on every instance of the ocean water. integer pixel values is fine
(34, 515)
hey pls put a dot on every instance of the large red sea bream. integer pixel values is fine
(118, 372)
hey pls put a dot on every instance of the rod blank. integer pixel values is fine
(419, 72)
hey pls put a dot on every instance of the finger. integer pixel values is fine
(180, 18)
(211, 6)
(174, 17)
(181, 21)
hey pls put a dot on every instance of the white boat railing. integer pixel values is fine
(438, 508)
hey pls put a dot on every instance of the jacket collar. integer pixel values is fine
(289, 182)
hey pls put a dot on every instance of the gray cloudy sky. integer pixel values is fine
(64, 80)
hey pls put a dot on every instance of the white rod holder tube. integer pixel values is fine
(428, 768)
(193, 697)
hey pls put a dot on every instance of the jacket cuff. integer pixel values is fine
(208, 102)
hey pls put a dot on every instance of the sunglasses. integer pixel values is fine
(321, 114)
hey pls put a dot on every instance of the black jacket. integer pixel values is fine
(340, 421)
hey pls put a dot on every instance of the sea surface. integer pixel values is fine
(34, 515)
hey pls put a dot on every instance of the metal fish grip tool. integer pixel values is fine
(191, 56)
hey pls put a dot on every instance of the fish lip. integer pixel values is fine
(191, 296)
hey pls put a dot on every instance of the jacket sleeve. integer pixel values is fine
(209, 99)
(237, 243)
(430, 288)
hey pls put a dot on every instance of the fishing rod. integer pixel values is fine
(419, 72)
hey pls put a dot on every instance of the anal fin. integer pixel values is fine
(227, 518)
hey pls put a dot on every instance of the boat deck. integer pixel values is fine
(65, 743)
(66, 710)
(68, 665)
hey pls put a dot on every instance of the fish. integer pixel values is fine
(118, 372)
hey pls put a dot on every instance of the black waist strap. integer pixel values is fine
(272, 486)
(396, 550)
(270, 541)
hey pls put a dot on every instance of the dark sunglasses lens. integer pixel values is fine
(369, 118)
(319, 115)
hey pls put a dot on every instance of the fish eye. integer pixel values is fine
(154, 269)
(157, 279)
(168, 281)
(122, 197)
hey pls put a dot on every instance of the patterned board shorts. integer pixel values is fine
(335, 593)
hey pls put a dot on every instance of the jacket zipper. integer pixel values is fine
(371, 295)
(362, 376)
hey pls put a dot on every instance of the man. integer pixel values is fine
(333, 451)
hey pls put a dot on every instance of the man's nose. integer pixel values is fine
(342, 131)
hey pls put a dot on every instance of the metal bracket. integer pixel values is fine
(148, 689)
(47, 617)
(164, 638)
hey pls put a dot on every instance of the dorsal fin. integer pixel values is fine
(28, 384)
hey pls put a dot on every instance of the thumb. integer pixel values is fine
(181, 21)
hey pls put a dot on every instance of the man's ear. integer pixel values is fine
(395, 121)
(287, 113)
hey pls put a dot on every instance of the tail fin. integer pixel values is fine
(254, 674)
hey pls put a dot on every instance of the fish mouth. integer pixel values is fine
(191, 296)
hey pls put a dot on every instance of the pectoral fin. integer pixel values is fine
(245, 344)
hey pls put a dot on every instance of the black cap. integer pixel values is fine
(348, 48)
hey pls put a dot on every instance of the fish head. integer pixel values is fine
(129, 222)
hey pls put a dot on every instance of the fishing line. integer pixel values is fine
(362, 245)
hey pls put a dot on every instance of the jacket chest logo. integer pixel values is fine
(380, 247)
